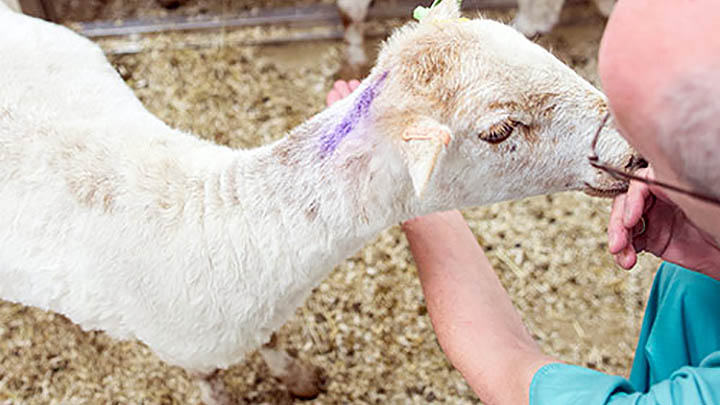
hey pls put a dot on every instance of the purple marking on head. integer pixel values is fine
(361, 109)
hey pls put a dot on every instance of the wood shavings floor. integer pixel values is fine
(366, 325)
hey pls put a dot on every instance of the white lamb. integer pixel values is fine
(124, 224)
(540, 16)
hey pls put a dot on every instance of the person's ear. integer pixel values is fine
(424, 144)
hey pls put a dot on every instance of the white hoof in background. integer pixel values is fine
(303, 380)
(213, 390)
(531, 28)
(605, 6)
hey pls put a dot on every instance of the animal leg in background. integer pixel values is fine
(605, 6)
(355, 61)
(212, 389)
(540, 16)
(302, 380)
(537, 16)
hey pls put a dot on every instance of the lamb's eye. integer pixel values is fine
(500, 131)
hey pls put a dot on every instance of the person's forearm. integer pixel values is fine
(474, 319)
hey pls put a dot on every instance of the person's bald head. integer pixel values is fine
(660, 67)
(648, 43)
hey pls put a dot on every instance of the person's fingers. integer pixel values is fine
(626, 258)
(332, 97)
(342, 87)
(635, 203)
(649, 173)
(340, 90)
(618, 235)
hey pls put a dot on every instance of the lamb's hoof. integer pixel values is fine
(532, 29)
(213, 390)
(304, 381)
(605, 7)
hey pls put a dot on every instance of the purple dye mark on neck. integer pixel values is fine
(361, 109)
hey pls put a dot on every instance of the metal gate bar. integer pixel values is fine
(307, 15)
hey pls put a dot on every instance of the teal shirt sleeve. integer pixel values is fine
(566, 384)
(677, 360)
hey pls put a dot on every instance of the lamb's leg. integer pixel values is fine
(12, 4)
(537, 16)
(353, 13)
(355, 63)
(605, 6)
(302, 380)
(212, 389)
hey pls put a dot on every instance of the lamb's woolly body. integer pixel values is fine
(129, 226)
(126, 225)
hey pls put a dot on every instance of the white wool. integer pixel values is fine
(124, 224)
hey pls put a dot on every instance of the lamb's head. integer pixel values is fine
(481, 114)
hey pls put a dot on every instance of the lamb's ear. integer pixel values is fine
(423, 144)
(444, 10)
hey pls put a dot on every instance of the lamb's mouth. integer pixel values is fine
(614, 190)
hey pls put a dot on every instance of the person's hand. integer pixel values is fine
(340, 90)
(645, 219)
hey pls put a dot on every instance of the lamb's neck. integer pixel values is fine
(328, 187)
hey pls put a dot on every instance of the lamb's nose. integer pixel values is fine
(636, 162)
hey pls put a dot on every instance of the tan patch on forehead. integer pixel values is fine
(427, 65)
(537, 104)
(504, 105)
(542, 104)
(538, 100)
